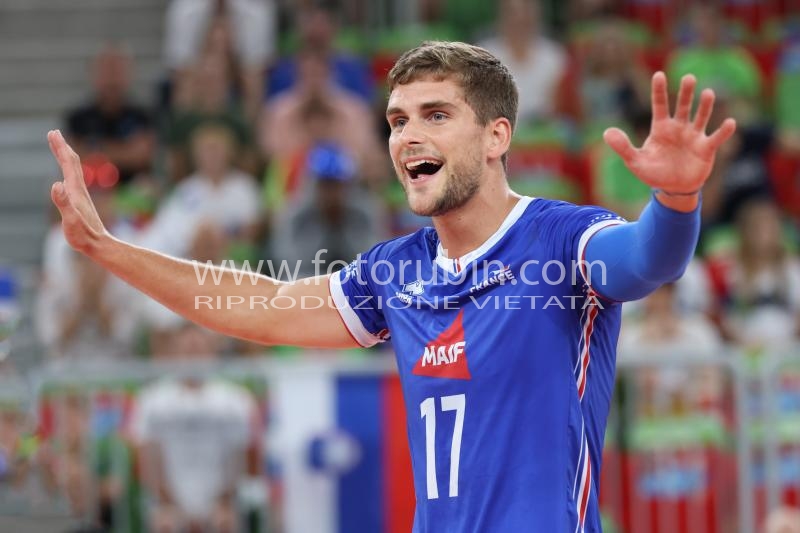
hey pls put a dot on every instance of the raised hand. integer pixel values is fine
(677, 155)
(80, 222)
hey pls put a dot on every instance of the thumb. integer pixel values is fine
(59, 195)
(618, 141)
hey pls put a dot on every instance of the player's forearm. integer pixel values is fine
(642, 255)
(209, 295)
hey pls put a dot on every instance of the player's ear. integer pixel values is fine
(499, 137)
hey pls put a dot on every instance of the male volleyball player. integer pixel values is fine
(506, 358)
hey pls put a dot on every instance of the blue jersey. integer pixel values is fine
(506, 358)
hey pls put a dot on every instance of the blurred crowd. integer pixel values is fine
(265, 140)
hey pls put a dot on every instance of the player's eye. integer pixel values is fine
(438, 116)
(398, 123)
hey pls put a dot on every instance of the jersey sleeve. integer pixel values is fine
(571, 227)
(354, 294)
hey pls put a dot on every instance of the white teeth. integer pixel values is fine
(414, 164)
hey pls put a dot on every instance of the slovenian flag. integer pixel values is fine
(338, 442)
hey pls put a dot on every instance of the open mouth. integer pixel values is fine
(423, 168)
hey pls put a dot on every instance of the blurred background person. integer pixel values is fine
(73, 458)
(83, 312)
(758, 286)
(538, 64)
(215, 192)
(89, 321)
(10, 314)
(196, 438)
(316, 28)
(718, 63)
(209, 244)
(242, 29)
(741, 170)
(663, 329)
(18, 448)
(111, 127)
(211, 101)
(69, 460)
(613, 84)
(314, 110)
(334, 214)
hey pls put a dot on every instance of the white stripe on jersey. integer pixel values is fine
(349, 316)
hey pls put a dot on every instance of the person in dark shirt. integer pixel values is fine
(741, 172)
(110, 128)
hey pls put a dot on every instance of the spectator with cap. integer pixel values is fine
(111, 128)
(334, 215)
(315, 111)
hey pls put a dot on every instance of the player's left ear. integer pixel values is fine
(499, 137)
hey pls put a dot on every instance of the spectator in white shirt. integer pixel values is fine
(537, 63)
(196, 438)
(216, 193)
(663, 331)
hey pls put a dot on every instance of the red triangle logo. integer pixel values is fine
(446, 357)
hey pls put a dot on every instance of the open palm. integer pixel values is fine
(677, 155)
(82, 226)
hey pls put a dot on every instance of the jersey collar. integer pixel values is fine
(456, 265)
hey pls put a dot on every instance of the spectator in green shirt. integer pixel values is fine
(717, 64)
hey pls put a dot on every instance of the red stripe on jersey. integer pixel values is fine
(586, 489)
(585, 354)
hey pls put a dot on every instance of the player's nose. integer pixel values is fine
(412, 134)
